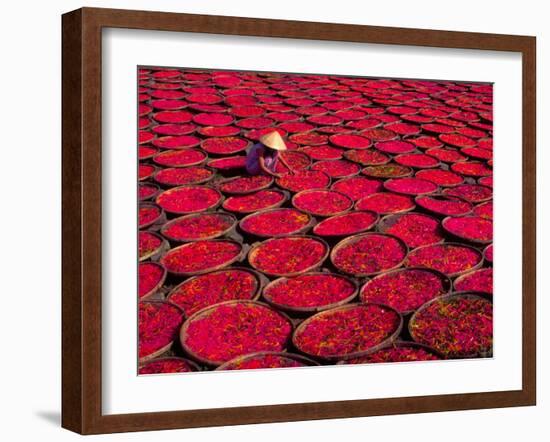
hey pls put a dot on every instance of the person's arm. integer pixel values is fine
(281, 157)
(261, 161)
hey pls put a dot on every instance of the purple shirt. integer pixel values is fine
(253, 159)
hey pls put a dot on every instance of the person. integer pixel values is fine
(262, 158)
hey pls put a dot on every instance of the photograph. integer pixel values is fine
(290, 220)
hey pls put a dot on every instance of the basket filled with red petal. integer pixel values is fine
(322, 202)
(367, 157)
(224, 145)
(390, 170)
(337, 168)
(174, 129)
(219, 131)
(470, 228)
(472, 169)
(395, 147)
(415, 229)
(348, 331)
(151, 276)
(451, 259)
(311, 292)
(228, 164)
(308, 138)
(267, 359)
(230, 284)
(350, 141)
(304, 180)
(368, 254)
(177, 142)
(276, 222)
(346, 224)
(411, 186)
(457, 326)
(296, 160)
(149, 214)
(398, 351)
(168, 365)
(213, 119)
(385, 203)
(417, 160)
(146, 171)
(474, 193)
(457, 140)
(288, 256)
(197, 226)
(180, 158)
(189, 199)
(246, 184)
(357, 187)
(443, 178)
(323, 152)
(179, 176)
(253, 202)
(444, 205)
(147, 191)
(446, 155)
(203, 256)
(150, 244)
(224, 331)
(405, 290)
(158, 326)
(146, 152)
(477, 281)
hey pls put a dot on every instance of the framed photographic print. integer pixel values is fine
(269, 221)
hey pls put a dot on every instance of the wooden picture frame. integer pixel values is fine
(81, 199)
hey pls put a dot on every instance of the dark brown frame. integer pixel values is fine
(81, 251)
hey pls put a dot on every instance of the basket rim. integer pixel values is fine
(392, 337)
(183, 330)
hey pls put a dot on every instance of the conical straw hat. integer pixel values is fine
(273, 140)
